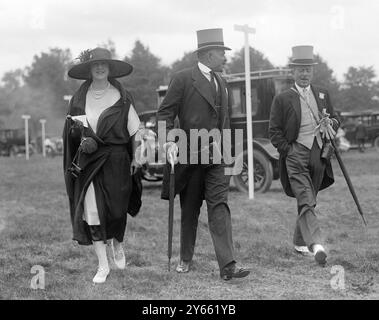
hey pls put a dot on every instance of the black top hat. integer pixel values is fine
(210, 39)
(117, 68)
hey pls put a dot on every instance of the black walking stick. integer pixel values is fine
(171, 210)
(348, 181)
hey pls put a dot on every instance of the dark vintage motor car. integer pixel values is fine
(12, 142)
(265, 85)
(370, 119)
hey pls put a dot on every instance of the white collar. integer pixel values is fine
(204, 68)
(301, 89)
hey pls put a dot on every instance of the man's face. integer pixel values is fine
(217, 59)
(303, 75)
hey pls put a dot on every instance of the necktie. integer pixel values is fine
(213, 84)
(305, 95)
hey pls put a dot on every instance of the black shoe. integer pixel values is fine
(229, 273)
(320, 255)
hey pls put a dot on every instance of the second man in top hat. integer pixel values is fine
(295, 122)
(199, 98)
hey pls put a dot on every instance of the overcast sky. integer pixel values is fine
(344, 33)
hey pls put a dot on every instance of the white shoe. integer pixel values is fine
(118, 255)
(303, 250)
(101, 275)
(319, 253)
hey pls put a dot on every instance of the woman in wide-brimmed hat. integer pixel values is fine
(101, 172)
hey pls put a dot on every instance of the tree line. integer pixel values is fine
(39, 89)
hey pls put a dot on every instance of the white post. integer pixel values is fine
(26, 118)
(246, 30)
(43, 121)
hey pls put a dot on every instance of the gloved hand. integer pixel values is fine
(172, 150)
(88, 145)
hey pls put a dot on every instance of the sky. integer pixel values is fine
(343, 32)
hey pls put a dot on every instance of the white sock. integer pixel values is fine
(101, 252)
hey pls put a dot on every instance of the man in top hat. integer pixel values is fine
(299, 128)
(198, 97)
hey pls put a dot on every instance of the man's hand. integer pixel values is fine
(326, 129)
(172, 150)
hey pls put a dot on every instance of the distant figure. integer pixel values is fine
(360, 135)
(99, 164)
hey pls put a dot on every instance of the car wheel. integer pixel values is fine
(13, 151)
(263, 173)
(376, 143)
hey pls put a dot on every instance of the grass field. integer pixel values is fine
(35, 230)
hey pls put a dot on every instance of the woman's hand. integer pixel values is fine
(134, 166)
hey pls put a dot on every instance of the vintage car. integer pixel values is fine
(265, 85)
(370, 119)
(12, 142)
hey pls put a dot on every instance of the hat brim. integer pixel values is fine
(117, 69)
(210, 47)
(302, 64)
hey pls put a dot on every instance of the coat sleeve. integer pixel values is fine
(169, 108)
(276, 126)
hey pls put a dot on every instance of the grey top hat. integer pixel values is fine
(302, 56)
(210, 39)
(117, 68)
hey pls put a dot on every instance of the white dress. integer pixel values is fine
(94, 107)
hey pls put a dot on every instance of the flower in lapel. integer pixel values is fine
(321, 95)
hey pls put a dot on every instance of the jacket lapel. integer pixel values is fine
(202, 85)
(113, 114)
(316, 94)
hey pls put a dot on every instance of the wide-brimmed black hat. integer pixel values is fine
(117, 68)
(210, 39)
(302, 56)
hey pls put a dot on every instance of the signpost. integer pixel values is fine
(246, 30)
(43, 121)
(26, 118)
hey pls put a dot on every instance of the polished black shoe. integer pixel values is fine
(320, 255)
(229, 273)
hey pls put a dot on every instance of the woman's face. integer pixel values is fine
(99, 70)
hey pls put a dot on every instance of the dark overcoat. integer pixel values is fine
(108, 168)
(189, 98)
(285, 119)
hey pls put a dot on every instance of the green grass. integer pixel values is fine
(35, 229)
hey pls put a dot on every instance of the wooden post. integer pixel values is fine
(246, 30)
(43, 121)
(26, 118)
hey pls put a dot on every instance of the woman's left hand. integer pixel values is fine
(134, 166)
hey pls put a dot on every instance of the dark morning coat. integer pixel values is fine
(108, 168)
(284, 128)
(189, 97)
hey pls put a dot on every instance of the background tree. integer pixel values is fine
(257, 61)
(359, 89)
(147, 75)
(48, 75)
(188, 60)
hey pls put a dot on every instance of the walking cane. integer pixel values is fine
(348, 181)
(171, 209)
